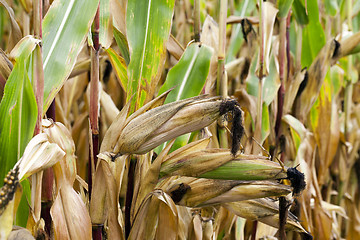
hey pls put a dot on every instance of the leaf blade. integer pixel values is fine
(147, 46)
(66, 21)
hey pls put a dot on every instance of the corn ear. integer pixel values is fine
(251, 190)
(222, 165)
(247, 169)
(192, 192)
(7, 202)
(160, 124)
(265, 210)
(194, 163)
(112, 134)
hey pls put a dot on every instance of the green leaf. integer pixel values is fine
(271, 82)
(105, 22)
(265, 123)
(148, 27)
(300, 13)
(119, 65)
(18, 110)
(65, 29)
(22, 212)
(284, 7)
(331, 7)
(313, 36)
(243, 8)
(188, 77)
(296, 125)
(336, 78)
(122, 44)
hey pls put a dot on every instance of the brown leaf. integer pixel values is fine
(70, 215)
(174, 47)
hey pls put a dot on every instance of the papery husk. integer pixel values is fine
(156, 219)
(166, 122)
(192, 192)
(39, 154)
(220, 164)
(265, 210)
(70, 215)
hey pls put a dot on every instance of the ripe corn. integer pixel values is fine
(220, 164)
(160, 124)
(192, 192)
(7, 202)
(265, 210)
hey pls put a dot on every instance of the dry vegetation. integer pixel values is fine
(180, 119)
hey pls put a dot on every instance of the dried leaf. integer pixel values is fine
(70, 215)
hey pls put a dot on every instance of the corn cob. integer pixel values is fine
(7, 192)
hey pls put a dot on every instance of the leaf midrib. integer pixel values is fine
(58, 33)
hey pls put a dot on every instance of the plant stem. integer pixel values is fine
(254, 229)
(197, 20)
(221, 87)
(288, 45)
(129, 196)
(47, 183)
(349, 85)
(221, 84)
(282, 61)
(283, 213)
(258, 121)
(94, 100)
(44, 179)
(94, 113)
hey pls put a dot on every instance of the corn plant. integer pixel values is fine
(130, 119)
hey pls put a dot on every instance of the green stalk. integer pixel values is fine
(197, 20)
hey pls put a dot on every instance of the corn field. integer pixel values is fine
(187, 119)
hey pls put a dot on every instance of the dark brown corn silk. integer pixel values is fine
(178, 193)
(237, 129)
(297, 180)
